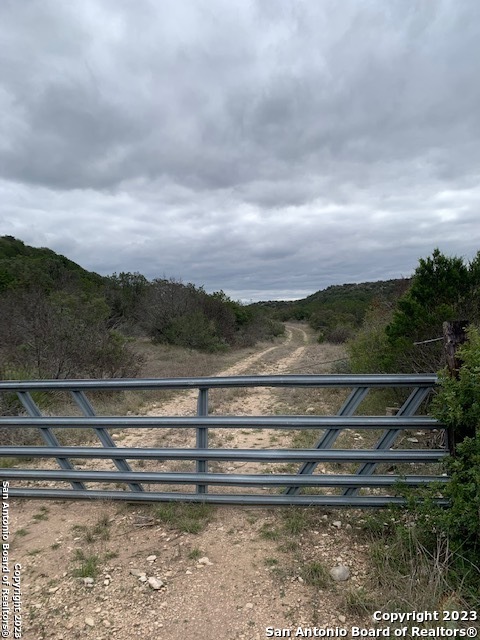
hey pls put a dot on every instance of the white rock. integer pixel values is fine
(342, 619)
(87, 581)
(155, 583)
(151, 558)
(90, 622)
(337, 523)
(137, 573)
(249, 605)
(340, 573)
(205, 560)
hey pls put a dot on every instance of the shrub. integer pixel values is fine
(339, 334)
(62, 335)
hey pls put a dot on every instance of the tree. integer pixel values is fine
(124, 294)
(443, 289)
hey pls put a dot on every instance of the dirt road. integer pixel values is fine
(245, 569)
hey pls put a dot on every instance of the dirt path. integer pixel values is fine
(246, 569)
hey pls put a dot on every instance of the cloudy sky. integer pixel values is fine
(267, 148)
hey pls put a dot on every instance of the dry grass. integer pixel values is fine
(166, 361)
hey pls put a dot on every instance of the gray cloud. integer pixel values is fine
(269, 149)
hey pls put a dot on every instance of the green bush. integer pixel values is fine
(368, 349)
(194, 331)
(462, 520)
(457, 405)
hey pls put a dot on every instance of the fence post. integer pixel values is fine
(454, 335)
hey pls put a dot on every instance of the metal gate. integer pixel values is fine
(316, 475)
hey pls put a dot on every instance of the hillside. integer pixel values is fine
(22, 266)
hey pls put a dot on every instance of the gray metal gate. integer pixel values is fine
(305, 485)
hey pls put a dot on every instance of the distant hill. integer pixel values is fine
(343, 294)
(337, 306)
(22, 266)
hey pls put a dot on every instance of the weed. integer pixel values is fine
(89, 536)
(195, 554)
(304, 439)
(359, 602)
(79, 528)
(296, 521)
(54, 546)
(280, 573)
(34, 552)
(288, 546)
(187, 517)
(267, 532)
(99, 531)
(315, 574)
(270, 562)
(87, 565)
(43, 515)
(22, 532)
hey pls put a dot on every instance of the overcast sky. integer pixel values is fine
(266, 148)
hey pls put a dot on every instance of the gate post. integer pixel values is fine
(454, 335)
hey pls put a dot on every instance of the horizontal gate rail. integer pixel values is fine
(262, 455)
(142, 384)
(293, 486)
(229, 422)
(258, 500)
(329, 480)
